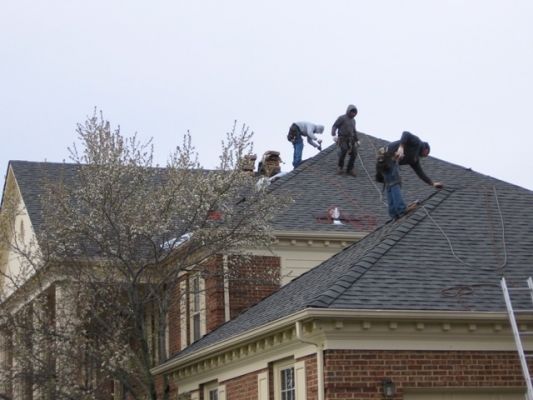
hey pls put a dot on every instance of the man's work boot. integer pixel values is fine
(352, 172)
(339, 171)
(412, 206)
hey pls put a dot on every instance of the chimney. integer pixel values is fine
(270, 164)
(247, 163)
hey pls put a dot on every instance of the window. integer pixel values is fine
(213, 394)
(156, 343)
(287, 387)
(192, 309)
(211, 391)
(195, 307)
(289, 380)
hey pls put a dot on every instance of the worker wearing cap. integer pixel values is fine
(307, 129)
(345, 135)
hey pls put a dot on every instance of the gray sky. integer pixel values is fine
(459, 74)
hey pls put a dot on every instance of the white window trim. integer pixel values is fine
(299, 378)
(183, 314)
(225, 275)
(222, 392)
(202, 306)
(262, 386)
(208, 388)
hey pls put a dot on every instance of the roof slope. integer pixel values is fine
(448, 255)
(31, 179)
(315, 187)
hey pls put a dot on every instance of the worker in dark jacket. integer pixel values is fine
(408, 150)
(345, 135)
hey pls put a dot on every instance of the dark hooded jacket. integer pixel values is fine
(345, 126)
(412, 147)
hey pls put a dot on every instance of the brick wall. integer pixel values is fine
(243, 387)
(357, 374)
(311, 377)
(249, 281)
(252, 281)
(174, 323)
(214, 290)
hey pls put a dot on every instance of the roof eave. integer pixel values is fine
(314, 313)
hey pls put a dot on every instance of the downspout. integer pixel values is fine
(319, 359)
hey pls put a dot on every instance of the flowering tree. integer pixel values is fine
(117, 237)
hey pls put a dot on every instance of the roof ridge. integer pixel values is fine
(399, 229)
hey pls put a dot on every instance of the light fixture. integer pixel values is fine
(389, 388)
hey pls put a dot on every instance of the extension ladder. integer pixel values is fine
(517, 334)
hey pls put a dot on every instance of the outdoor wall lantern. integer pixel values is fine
(389, 388)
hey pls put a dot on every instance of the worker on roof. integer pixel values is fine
(307, 129)
(408, 150)
(345, 135)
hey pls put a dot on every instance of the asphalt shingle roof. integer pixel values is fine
(31, 178)
(447, 255)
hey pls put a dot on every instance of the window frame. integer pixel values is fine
(278, 368)
(211, 388)
(193, 312)
(299, 389)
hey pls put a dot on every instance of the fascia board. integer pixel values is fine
(311, 313)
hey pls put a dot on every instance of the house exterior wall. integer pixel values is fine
(444, 357)
(352, 374)
(243, 388)
(16, 223)
(253, 282)
(246, 387)
(301, 251)
(246, 285)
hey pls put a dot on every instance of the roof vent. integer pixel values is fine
(335, 214)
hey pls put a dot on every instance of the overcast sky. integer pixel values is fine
(459, 74)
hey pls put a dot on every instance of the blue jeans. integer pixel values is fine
(394, 191)
(298, 149)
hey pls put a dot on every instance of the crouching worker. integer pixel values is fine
(307, 129)
(408, 150)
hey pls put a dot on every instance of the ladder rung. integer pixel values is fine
(523, 311)
(526, 333)
(520, 289)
